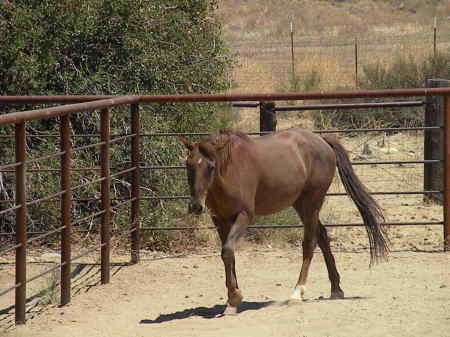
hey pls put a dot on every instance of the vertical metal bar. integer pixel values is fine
(430, 120)
(446, 155)
(135, 181)
(105, 192)
(66, 208)
(21, 230)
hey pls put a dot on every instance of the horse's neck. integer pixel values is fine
(219, 185)
(222, 196)
(223, 187)
(227, 176)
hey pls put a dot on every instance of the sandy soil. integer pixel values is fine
(180, 296)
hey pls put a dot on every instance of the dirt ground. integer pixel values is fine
(180, 296)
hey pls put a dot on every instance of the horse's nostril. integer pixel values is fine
(190, 208)
(195, 208)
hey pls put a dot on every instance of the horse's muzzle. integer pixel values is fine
(195, 208)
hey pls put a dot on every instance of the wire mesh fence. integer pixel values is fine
(328, 63)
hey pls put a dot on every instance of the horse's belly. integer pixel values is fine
(271, 209)
(275, 200)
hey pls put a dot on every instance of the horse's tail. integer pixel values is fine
(368, 208)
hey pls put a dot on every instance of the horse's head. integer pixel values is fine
(201, 166)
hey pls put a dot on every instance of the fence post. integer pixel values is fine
(435, 37)
(434, 142)
(267, 117)
(135, 181)
(446, 154)
(292, 53)
(66, 208)
(356, 63)
(105, 192)
(21, 227)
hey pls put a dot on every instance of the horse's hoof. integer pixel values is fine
(294, 301)
(336, 295)
(230, 310)
(235, 298)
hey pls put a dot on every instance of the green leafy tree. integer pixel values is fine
(112, 47)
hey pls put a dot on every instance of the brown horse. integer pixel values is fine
(238, 178)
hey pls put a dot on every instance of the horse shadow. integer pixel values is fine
(217, 310)
(206, 312)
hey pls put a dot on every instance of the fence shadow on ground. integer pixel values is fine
(84, 277)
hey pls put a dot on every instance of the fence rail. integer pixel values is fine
(77, 104)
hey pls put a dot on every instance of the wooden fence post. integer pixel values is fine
(292, 53)
(267, 117)
(446, 154)
(435, 37)
(437, 146)
(356, 63)
(433, 177)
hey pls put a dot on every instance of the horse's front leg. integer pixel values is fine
(229, 235)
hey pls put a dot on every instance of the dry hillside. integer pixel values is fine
(325, 32)
(268, 19)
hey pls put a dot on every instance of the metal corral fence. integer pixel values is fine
(77, 104)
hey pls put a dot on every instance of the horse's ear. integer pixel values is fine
(208, 150)
(186, 143)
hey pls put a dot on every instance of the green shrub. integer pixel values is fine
(111, 47)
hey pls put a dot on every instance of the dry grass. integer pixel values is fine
(267, 70)
(408, 208)
(269, 19)
(325, 33)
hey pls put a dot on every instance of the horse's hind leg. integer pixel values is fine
(310, 218)
(333, 275)
(315, 232)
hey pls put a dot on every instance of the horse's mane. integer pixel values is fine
(223, 142)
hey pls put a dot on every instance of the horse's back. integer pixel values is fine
(298, 145)
(287, 163)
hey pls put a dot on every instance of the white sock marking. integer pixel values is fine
(299, 291)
